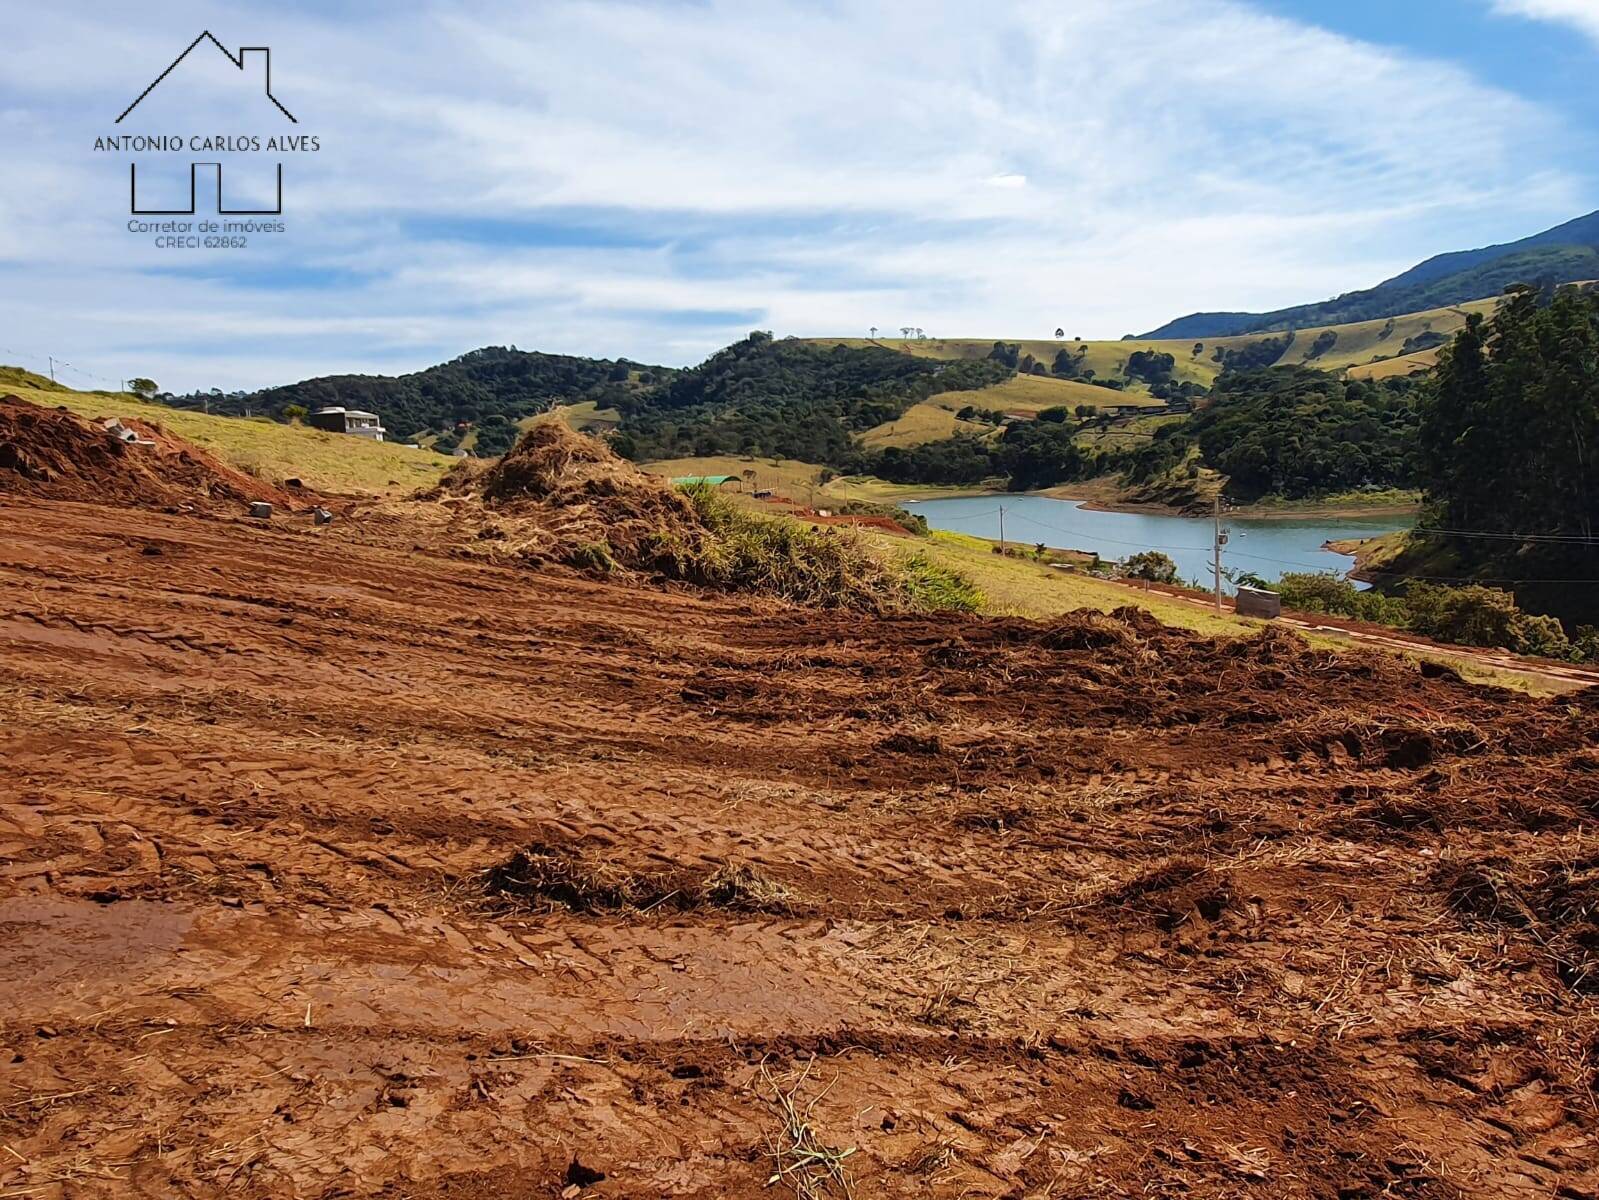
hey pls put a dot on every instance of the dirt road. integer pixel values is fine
(334, 867)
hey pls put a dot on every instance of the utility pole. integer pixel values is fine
(1221, 540)
(52, 368)
(1002, 529)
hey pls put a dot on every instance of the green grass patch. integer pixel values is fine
(831, 568)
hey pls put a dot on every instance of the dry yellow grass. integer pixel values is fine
(1357, 345)
(785, 476)
(1034, 393)
(1405, 364)
(924, 422)
(1106, 359)
(583, 416)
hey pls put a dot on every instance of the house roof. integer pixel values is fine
(236, 59)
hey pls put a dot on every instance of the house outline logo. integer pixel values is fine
(238, 61)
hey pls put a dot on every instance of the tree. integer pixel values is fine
(294, 412)
(1153, 566)
(1066, 364)
(1009, 355)
(1509, 436)
(1151, 366)
(141, 387)
(872, 331)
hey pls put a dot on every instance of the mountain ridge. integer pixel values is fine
(1566, 253)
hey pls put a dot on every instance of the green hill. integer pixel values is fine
(1565, 254)
(491, 388)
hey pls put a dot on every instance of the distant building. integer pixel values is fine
(715, 481)
(348, 420)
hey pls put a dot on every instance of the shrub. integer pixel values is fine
(1483, 616)
(1472, 615)
(1585, 644)
(1327, 592)
(1543, 636)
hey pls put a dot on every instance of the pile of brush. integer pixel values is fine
(562, 497)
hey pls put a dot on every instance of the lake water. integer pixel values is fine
(1269, 548)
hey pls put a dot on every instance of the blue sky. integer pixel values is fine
(655, 179)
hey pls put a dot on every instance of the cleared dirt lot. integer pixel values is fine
(1083, 909)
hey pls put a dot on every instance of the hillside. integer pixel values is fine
(329, 462)
(491, 388)
(1326, 347)
(1565, 254)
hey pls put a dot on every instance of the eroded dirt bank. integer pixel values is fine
(329, 866)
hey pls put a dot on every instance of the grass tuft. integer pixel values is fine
(828, 567)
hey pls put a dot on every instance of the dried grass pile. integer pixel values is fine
(562, 497)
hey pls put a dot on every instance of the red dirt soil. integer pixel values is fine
(334, 866)
(54, 453)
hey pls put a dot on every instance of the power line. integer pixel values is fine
(1567, 538)
(1472, 578)
(58, 362)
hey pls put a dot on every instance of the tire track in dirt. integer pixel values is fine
(1087, 908)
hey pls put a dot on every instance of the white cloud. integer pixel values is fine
(1582, 14)
(667, 176)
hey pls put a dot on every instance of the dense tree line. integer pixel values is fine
(788, 399)
(1028, 455)
(494, 381)
(1296, 432)
(1509, 448)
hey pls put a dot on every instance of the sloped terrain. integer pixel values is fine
(331, 865)
(1326, 347)
(54, 453)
